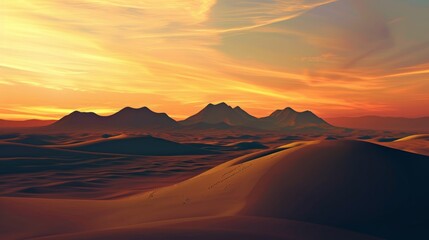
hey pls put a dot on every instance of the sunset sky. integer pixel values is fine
(336, 58)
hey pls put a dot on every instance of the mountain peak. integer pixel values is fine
(308, 112)
(288, 117)
(285, 111)
(220, 113)
(79, 114)
(133, 110)
(289, 109)
(127, 118)
(221, 105)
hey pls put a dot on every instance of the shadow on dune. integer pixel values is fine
(146, 145)
(14, 150)
(291, 138)
(243, 137)
(19, 158)
(9, 136)
(365, 137)
(247, 145)
(348, 184)
(387, 139)
(33, 140)
(237, 146)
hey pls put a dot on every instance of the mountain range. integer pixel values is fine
(213, 116)
(278, 120)
(126, 119)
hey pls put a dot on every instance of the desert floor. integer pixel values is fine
(347, 185)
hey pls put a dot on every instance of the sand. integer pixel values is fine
(415, 143)
(303, 190)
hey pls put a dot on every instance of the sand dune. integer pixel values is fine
(247, 145)
(143, 145)
(417, 143)
(80, 175)
(292, 192)
(16, 150)
(20, 158)
(352, 185)
(228, 228)
(39, 139)
(414, 137)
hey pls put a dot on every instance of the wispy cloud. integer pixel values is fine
(310, 54)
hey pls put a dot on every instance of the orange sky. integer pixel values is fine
(336, 58)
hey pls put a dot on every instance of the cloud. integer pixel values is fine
(241, 15)
(310, 54)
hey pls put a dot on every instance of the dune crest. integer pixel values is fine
(414, 137)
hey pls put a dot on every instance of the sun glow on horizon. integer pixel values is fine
(336, 58)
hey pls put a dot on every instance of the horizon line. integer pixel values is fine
(177, 117)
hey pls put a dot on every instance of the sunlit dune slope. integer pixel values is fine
(414, 137)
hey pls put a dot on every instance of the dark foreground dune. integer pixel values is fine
(304, 190)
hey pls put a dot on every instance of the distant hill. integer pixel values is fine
(221, 113)
(279, 120)
(383, 123)
(25, 123)
(126, 119)
(289, 118)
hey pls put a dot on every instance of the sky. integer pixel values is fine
(333, 57)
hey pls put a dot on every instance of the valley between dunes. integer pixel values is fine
(320, 189)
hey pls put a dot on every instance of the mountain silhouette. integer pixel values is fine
(126, 119)
(141, 118)
(221, 113)
(280, 119)
(289, 118)
(212, 117)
